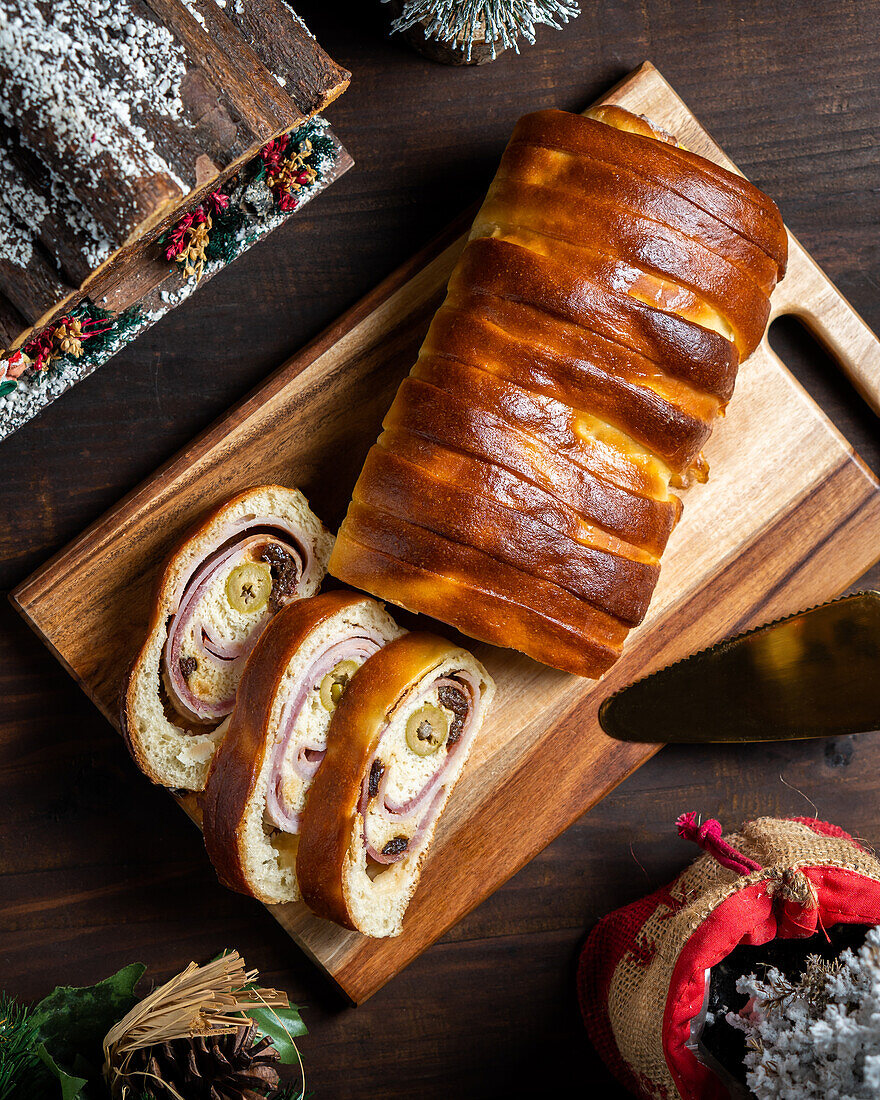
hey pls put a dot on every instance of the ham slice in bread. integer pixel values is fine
(277, 736)
(397, 745)
(221, 586)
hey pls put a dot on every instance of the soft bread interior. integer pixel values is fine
(167, 751)
(268, 855)
(378, 898)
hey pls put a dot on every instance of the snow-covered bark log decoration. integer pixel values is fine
(141, 285)
(116, 117)
(61, 94)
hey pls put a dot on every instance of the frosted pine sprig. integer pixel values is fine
(818, 1037)
(499, 22)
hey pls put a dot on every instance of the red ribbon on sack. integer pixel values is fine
(708, 837)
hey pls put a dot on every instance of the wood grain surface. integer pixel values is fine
(90, 601)
(95, 870)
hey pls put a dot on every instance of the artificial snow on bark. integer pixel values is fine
(85, 70)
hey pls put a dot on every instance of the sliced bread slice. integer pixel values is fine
(225, 580)
(398, 743)
(277, 736)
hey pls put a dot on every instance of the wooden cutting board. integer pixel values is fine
(789, 518)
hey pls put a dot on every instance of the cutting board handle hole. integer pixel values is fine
(802, 352)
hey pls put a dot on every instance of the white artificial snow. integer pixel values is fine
(797, 1051)
(95, 244)
(22, 212)
(195, 13)
(82, 71)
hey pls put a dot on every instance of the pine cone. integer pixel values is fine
(223, 1067)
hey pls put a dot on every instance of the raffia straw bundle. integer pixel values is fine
(202, 1000)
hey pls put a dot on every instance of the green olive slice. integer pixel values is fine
(248, 586)
(427, 729)
(335, 682)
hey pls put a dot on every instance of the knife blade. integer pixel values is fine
(814, 674)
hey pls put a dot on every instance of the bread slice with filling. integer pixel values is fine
(262, 772)
(397, 744)
(243, 562)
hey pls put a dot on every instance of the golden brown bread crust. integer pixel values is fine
(626, 464)
(424, 410)
(590, 337)
(494, 482)
(705, 359)
(621, 240)
(240, 758)
(610, 186)
(487, 616)
(329, 816)
(598, 376)
(427, 550)
(609, 582)
(728, 197)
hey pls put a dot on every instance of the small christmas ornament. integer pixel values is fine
(41, 350)
(69, 337)
(195, 1038)
(786, 887)
(286, 169)
(11, 369)
(218, 200)
(187, 241)
(472, 32)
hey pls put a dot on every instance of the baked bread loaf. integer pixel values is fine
(521, 490)
(398, 742)
(223, 583)
(277, 737)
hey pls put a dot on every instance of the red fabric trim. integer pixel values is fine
(708, 836)
(614, 936)
(749, 916)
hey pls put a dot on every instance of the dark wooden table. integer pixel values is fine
(96, 867)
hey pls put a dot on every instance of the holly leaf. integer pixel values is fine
(73, 1020)
(283, 1026)
(7, 386)
(71, 1087)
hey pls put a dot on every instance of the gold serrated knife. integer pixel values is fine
(815, 674)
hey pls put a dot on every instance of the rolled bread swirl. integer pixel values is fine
(222, 584)
(277, 736)
(521, 490)
(397, 744)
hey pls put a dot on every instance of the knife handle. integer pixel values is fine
(808, 293)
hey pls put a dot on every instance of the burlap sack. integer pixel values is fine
(643, 972)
